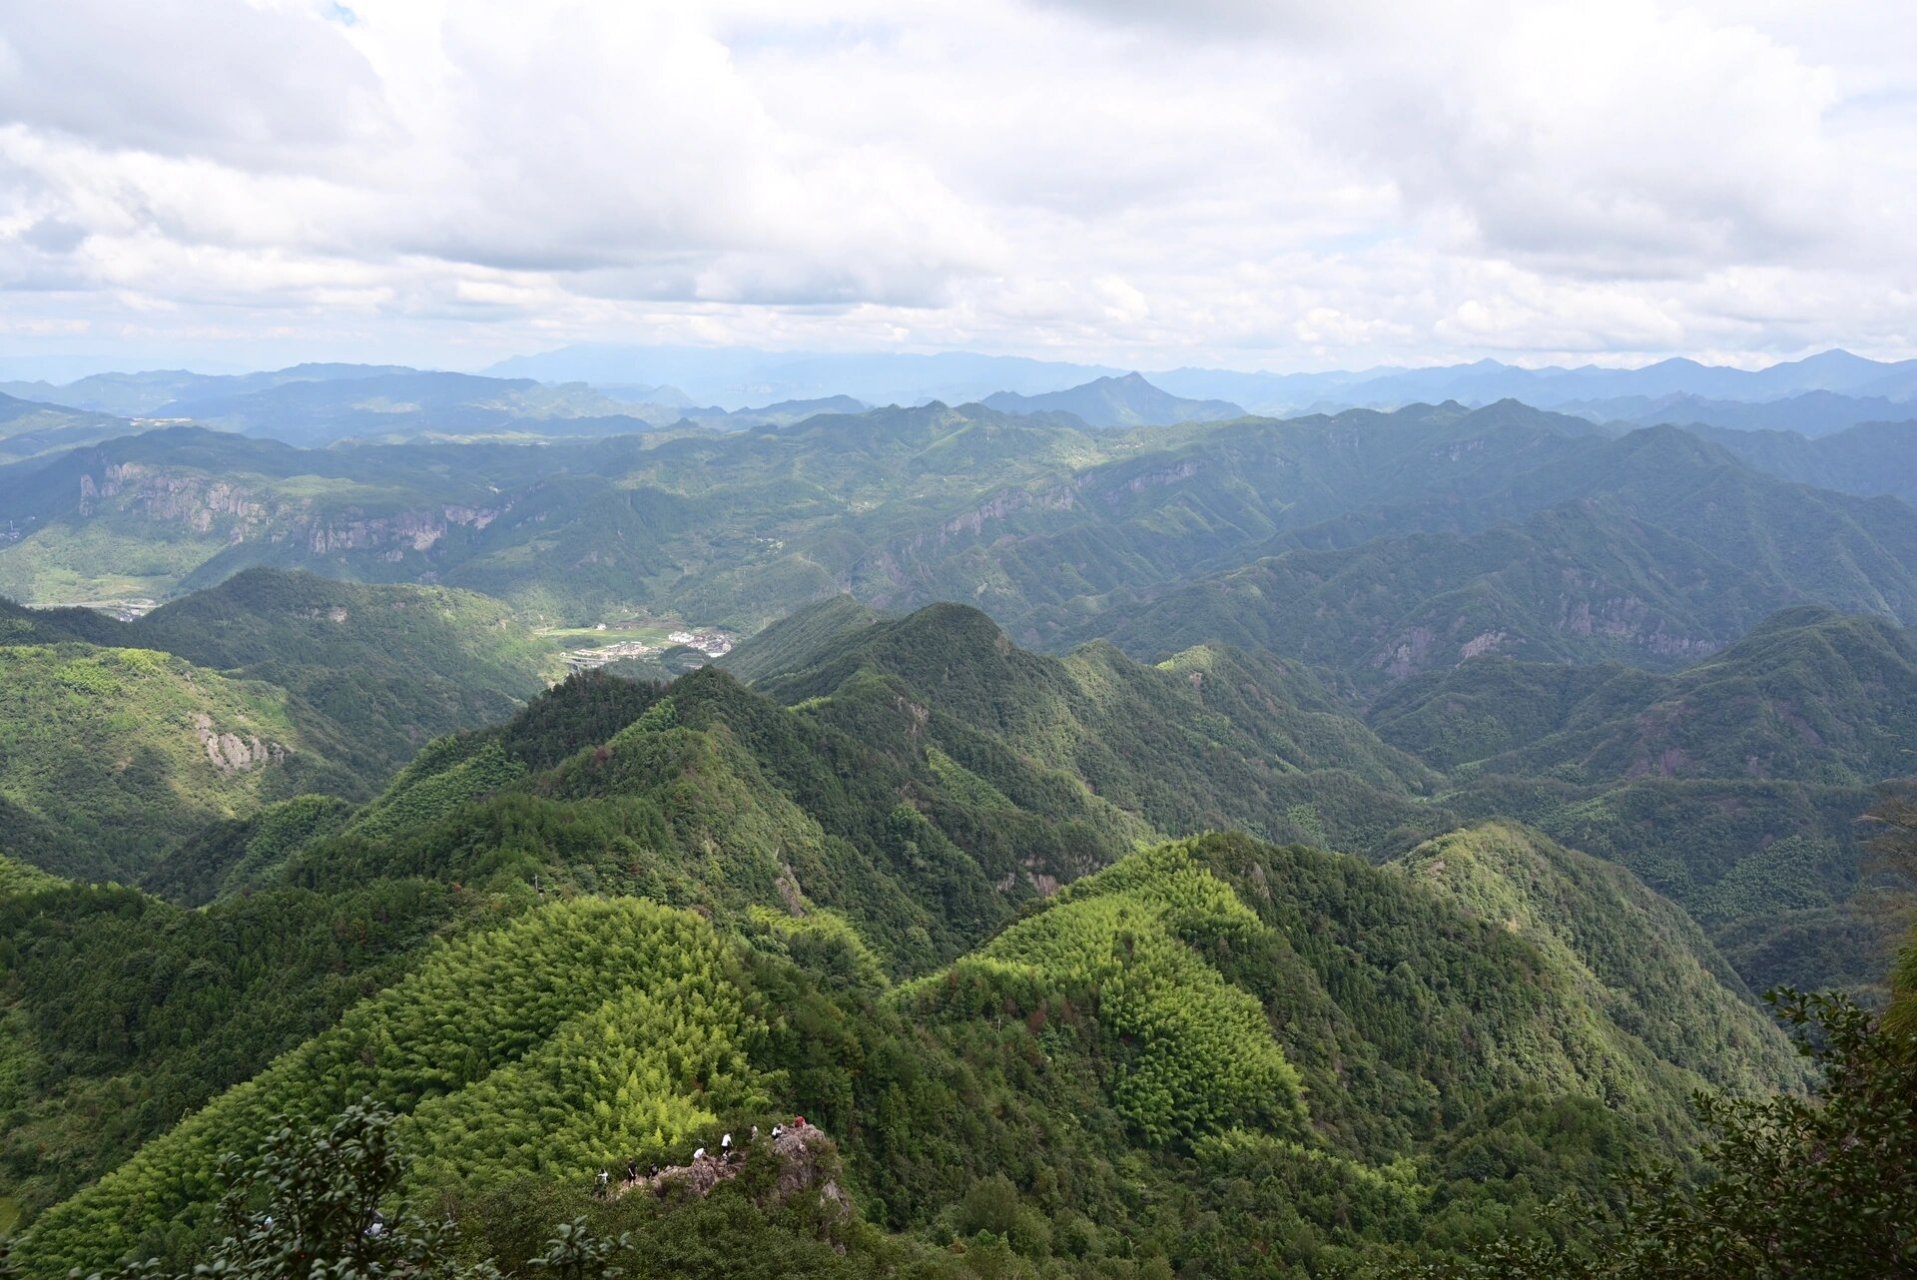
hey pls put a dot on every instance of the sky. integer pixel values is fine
(1252, 184)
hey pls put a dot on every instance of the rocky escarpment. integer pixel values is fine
(238, 513)
(807, 1160)
(229, 752)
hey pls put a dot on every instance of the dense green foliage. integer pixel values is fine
(520, 1014)
(123, 739)
(392, 666)
(243, 854)
(1821, 1186)
(1212, 738)
(1055, 531)
(1591, 920)
(1733, 786)
(123, 1013)
(800, 640)
(315, 1199)
(1330, 1055)
(107, 755)
(1810, 696)
(1197, 1055)
(1663, 551)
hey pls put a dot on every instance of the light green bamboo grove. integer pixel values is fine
(580, 1030)
(1195, 1053)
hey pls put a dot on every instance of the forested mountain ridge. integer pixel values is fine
(30, 429)
(1215, 946)
(1675, 553)
(124, 738)
(1213, 738)
(1733, 786)
(148, 514)
(109, 754)
(898, 506)
(897, 801)
(1116, 751)
(924, 780)
(1869, 459)
(1810, 695)
(395, 665)
(1060, 534)
(1752, 826)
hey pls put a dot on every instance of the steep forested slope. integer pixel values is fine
(801, 640)
(107, 755)
(1869, 459)
(905, 877)
(120, 1014)
(1810, 695)
(124, 738)
(1734, 786)
(1677, 553)
(1213, 738)
(29, 429)
(394, 666)
(1192, 1016)
(1023, 516)
(923, 775)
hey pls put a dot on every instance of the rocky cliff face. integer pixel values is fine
(229, 752)
(207, 506)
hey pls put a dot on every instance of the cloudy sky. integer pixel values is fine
(1283, 184)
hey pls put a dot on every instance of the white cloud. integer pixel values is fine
(1231, 182)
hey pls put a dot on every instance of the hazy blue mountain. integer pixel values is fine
(732, 378)
(148, 393)
(782, 414)
(1608, 393)
(29, 428)
(1832, 371)
(1129, 401)
(1872, 459)
(1812, 413)
(738, 376)
(641, 393)
(410, 403)
(313, 404)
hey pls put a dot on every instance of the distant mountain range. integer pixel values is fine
(311, 405)
(601, 391)
(739, 376)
